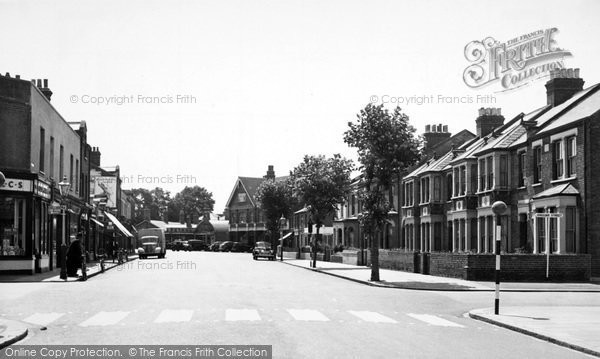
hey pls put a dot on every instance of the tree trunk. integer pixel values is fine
(374, 256)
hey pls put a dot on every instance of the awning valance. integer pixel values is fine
(97, 222)
(120, 226)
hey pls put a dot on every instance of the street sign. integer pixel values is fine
(55, 210)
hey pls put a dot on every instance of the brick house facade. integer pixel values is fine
(537, 163)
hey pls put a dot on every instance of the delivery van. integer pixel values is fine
(151, 242)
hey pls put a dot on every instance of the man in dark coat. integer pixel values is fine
(74, 257)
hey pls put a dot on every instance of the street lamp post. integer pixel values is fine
(63, 188)
(282, 225)
(314, 247)
(498, 208)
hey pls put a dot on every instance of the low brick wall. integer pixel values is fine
(397, 260)
(481, 267)
(350, 257)
(530, 267)
(449, 264)
(337, 258)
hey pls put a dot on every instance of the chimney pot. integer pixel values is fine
(39, 83)
(45, 83)
(18, 77)
(445, 128)
(7, 74)
(427, 128)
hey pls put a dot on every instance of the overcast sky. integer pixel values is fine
(266, 81)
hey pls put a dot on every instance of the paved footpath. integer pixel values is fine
(575, 327)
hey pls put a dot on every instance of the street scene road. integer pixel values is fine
(228, 298)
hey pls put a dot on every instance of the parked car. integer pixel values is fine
(226, 246)
(198, 245)
(263, 250)
(181, 246)
(241, 247)
(215, 246)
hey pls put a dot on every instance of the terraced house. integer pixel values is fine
(540, 164)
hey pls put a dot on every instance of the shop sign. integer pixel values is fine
(42, 189)
(17, 185)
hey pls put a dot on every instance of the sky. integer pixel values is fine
(190, 93)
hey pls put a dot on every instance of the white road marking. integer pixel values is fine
(104, 319)
(43, 318)
(308, 315)
(174, 315)
(232, 315)
(372, 317)
(433, 320)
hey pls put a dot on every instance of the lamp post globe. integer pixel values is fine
(499, 208)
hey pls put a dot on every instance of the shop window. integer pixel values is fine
(12, 226)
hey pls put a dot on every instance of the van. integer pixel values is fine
(151, 242)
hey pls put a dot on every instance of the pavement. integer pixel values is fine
(12, 331)
(574, 327)
(93, 269)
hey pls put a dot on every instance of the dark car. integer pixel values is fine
(263, 250)
(241, 247)
(181, 246)
(215, 246)
(226, 246)
(198, 245)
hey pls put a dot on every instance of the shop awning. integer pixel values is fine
(285, 237)
(116, 222)
(97, 222)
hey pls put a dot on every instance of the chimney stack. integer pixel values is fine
(489, 119)
(563, 84)
(95, 157)
(435, 134)
(270, 173)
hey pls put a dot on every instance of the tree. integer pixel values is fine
(320, 184)
(193, 201)
(275, 199)
(156, 201)
(386, 145)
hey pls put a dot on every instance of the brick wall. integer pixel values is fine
(591, 218)
(516, 267)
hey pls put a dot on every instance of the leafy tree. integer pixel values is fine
(320, 184)
(193, 201)
(275, 199)
(386, 145)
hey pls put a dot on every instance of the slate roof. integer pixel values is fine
(566, 189)
(589, 105)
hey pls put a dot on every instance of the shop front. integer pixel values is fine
(25, 236)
